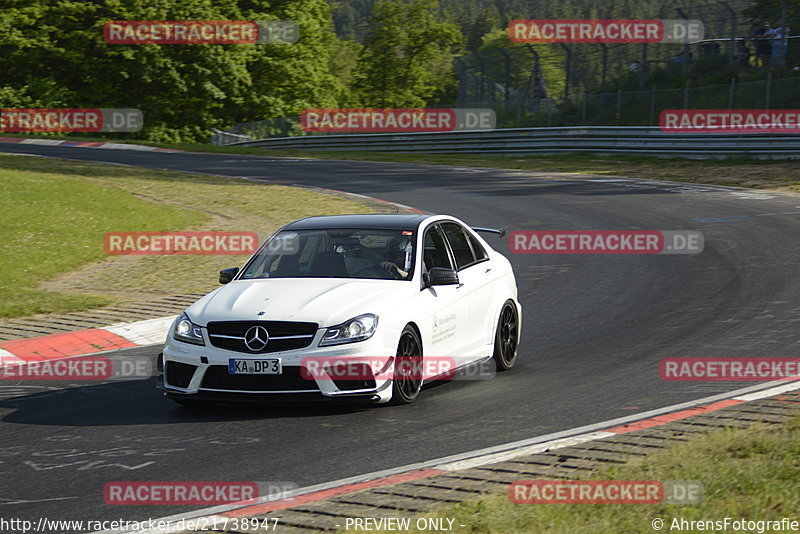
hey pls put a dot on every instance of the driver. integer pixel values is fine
(398, 250)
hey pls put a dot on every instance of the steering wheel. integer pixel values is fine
(380, 271)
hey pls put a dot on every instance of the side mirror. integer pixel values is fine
(440, 276)
(226, 275)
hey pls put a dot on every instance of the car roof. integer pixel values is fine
(376, 221)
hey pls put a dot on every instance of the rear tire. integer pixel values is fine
(506, 339)
(407, 379)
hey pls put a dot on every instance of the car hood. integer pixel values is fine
(326, 301)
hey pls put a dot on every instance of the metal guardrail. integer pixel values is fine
(601, 140)
(227, 138)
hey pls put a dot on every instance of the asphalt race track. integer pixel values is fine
(595, 329)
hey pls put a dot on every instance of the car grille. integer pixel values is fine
(179, 374)
(217, 377)
(283, 335)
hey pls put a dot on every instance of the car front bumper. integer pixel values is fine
(201, 373)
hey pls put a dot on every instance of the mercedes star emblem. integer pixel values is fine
(256, 338)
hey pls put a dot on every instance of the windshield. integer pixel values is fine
(339, 253)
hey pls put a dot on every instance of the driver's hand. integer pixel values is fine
(389, 266)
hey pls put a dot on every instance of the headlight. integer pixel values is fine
(188, 332)
(356, 329)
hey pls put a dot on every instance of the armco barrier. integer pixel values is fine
(646, 141)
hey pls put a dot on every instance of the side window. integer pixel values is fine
(459, 244)
(435, 254)
(477, 248)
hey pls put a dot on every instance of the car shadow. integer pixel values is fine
(137, 402)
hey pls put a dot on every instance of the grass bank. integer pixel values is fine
(751, 473)
(55, 214)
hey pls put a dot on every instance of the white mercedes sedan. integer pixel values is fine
(351, 307)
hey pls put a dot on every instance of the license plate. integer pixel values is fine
(270, 366)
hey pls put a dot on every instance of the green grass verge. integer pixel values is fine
(55, 214)
(752, 474)
(738, 172)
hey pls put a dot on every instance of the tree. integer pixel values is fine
(344, 65)
(550, 60)
(407, 55)
(771, 11)
(52, 54)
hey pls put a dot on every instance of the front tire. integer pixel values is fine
(506, 339)
(407, 379)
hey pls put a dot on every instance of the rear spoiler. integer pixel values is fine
(500, 232)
